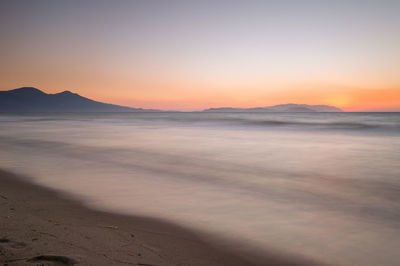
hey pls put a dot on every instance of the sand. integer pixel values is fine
(41, 227)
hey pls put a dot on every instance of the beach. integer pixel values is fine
(41, 227)
(200, 133)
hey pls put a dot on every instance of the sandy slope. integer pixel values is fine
(41, 227)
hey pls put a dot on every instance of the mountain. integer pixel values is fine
(291, 107)
(28, 99)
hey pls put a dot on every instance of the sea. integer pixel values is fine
(324, 186)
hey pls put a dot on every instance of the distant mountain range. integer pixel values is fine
(29, 99)
(291, 107)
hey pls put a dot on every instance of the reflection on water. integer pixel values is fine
(326, 185)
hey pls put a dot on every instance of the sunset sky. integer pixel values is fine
(190, 55)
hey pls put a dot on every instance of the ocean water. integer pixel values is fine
(320, 185)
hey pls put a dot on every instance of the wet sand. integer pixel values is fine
(41, 227)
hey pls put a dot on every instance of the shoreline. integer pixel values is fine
(39, 226)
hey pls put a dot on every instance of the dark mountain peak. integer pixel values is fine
(27, 91)
(67, 93)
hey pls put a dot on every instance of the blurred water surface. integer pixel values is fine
(322, 185)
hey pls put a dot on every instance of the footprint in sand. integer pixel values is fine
(48, 260)
(12, 244)
(52, 260)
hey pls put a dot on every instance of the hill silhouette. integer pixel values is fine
(29, 99)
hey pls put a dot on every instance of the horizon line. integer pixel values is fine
(189, 110)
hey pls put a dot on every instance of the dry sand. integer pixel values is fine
(41, 227)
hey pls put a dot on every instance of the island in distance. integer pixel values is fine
(29, 99)
(290, 107)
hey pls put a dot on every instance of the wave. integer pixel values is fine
(389, 122)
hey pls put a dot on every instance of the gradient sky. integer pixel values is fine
(190, 55)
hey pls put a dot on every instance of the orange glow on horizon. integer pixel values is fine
(186, 96)
(357, 100)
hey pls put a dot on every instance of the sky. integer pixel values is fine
(191, 55)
